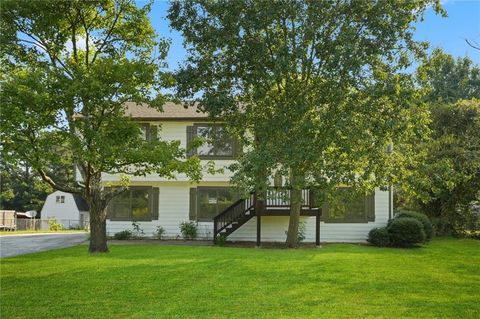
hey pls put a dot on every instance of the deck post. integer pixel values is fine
(258, 204)
(259, 229)
(317, 228)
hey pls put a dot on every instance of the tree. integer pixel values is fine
(449, 80)
(68, 67)
(317, 84)
(21, 189)
(447, 180)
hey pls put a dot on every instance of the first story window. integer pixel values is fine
(208, 202)
(135, 204)
(60, 199)
(349, 206)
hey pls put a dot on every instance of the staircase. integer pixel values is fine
(234, 216)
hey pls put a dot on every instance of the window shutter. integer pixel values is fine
(370, 207)
(153, 133)
(193, 204)
(190, 136)
(109, 206)
(146, 129)
(155, 200)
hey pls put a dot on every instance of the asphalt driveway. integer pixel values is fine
(13, 245)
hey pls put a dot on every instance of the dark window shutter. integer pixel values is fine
(193, 204)
(109, 206)
(370, 207)
(153, 133)
(146, 128)
(190, 136)
(155, 203)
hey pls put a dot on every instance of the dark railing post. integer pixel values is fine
(214, 230)
(317, 228)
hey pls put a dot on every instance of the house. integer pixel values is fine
(68, 209)
(153, 201)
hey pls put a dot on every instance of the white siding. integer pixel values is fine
(177, 131)
(174, 209)
(174, 204)
(66, 213)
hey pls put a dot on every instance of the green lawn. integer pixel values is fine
(441, 280)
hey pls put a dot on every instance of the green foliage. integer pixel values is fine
(21, 189)
(220, 240)
(321, 98)
(159, 232)
(138, 232)
(379, 237)
(427, 224)
(449, 80)
(302, 232)
(445, 181)
(53, 225)
(68, 67)
(189, 230)
(405, 232)
(123, 235)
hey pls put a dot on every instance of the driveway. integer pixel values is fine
(13, 245)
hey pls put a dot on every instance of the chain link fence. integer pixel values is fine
(42, 224)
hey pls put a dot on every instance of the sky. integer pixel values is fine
(448, 33)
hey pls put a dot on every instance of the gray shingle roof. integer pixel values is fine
(81, 203)
(171, 111)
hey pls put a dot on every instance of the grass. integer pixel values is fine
(20, 232)
(440, 280)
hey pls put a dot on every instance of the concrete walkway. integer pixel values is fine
(13, 245)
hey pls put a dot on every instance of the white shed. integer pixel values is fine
(68, 209)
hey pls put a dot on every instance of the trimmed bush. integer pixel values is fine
(379, 237)
(405, 232)
(422, 218)
(123, 235)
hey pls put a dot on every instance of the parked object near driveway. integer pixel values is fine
(68, 209)
(7, 220)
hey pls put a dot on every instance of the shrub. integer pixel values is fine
(302, 230)
(138, 232)
(189, 230)
(221, 240)
(379, 237)
(159, 232)
(405, 232)
(53, 225)
(422, 218)
(123, 235)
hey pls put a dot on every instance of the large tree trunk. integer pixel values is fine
(98, 217)
(295, 207)
(98, 233)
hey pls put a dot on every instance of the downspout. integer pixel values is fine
(390, 202)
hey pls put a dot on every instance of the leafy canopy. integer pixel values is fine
(68, 67)
(312, 87)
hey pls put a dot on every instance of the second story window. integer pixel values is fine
(218, 144)
(60, 199)
(149, 131)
